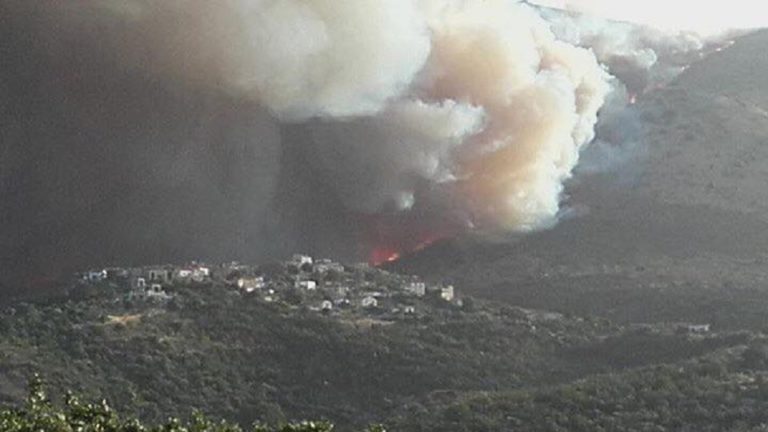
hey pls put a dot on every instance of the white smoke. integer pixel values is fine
(706, 18)
(640, 57)
(541, 96)
(299, 58)
(330, 58)
(373, 161)
(647, 44)
(493, 101)
(478, 94)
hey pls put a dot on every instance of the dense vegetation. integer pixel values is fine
(476, 367)
(39, 414)
(726, 391)
(246, 360)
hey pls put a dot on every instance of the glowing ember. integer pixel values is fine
(381, 256)
(392, 238)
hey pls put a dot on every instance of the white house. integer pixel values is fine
(418, 289)
(200, 273)
(96, 276)
(369, 302)
(447, 293)
(326, 305)
(309, 285)
(139, 284)
(699, 328)
(183, 273)
(409, 310)
(194, 272)
(251, 284)
(154, 292)
(299, 260)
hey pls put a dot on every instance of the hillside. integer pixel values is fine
(722, 392)
(681, 227)
(242, 356)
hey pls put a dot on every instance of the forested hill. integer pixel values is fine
(233, 355)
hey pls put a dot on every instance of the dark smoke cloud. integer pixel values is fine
(137, 131)
(101, 165)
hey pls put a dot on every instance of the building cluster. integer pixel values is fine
(330, 287)
(675, 328)
(151, 282)
(319, 285)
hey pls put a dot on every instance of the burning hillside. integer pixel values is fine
(150, 131)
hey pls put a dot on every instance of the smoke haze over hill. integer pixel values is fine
(244, 129)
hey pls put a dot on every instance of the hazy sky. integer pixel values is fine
(703, 16)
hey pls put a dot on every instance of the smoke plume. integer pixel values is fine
(705, 19)
(139, 130)
(648, 44)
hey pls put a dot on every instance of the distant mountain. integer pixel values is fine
(684, 216)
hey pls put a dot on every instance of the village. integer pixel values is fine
(318, 285)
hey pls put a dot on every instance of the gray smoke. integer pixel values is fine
(138, 131)
(641, 44)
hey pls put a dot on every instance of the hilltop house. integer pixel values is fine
(369, 302)
(300, 260)
(96, 276)
(139, 283)
(201, 273)
(270, 297)
(251, 284)
(196, 273)
(182, 274)
(698, 328)
(309, 285)
(154, 291)
(418, 289)
(160, 275)
(447, 293)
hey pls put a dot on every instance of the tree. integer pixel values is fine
(40, 415)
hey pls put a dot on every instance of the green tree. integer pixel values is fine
(40, 415)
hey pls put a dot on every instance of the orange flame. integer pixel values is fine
(383, 255)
